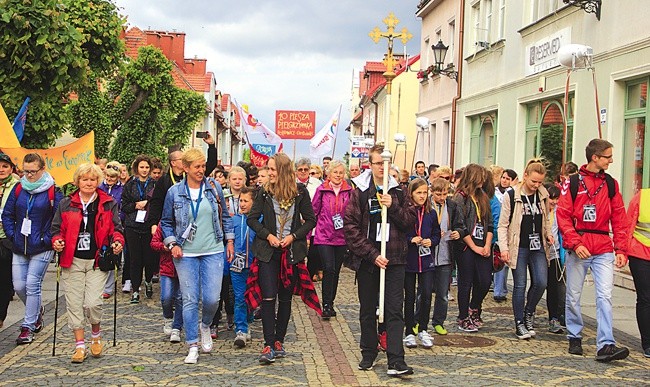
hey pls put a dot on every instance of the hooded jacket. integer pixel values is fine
(430, 229)
(356, 224)
(326, 205)
(570, 216)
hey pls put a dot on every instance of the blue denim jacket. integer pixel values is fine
(176, 212)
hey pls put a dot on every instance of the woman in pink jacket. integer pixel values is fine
(329, 204)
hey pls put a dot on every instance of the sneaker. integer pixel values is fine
(454, 281)
(96, 346)
(106, 296)
(126, 288)
(26, 336)
(611, 352)
(440, 330)
(382, 342)
(240, 339)
(148, 286)
(267, 356)
(175, 336)
(500, 299)
(155, 278)
(193, 355)
(79, 355)
(529, 321)
(575, 346)
(206, 338)
(466, 325)
(366, 364)
(450, 297)
(230, 322)
(167, 327)
(646, 352)
(135, 298)
(409, 341)
(278, 349)
(214, 331)
(39, 321)
(425, 339)
(521, 332)
(399, 368)
(475, 316)
(554, 326)
(326, 313)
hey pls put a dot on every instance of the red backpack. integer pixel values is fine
(50, 193)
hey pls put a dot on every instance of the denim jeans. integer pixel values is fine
(199, 277)
(602, 269)
(331, 260)
(241, 309)
(640, 269)
(368, 291)
(28, 273)
(535, 262)
(441, 280)
(425, 288)
(171, 300)
(500, 283)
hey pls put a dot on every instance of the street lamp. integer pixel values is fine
(400, 139)
(423, 127)
(439, 53)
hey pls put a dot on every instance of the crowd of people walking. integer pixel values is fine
(244, 241)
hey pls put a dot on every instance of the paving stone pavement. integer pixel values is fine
(320, 353)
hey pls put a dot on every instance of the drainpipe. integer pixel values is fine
(459, 82)
(374, 132)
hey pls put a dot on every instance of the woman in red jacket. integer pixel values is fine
(83, 225)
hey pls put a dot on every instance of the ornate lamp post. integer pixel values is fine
(389, 61)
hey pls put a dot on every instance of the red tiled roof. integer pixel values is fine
(237, 116)
(225, 100)
(375, 66)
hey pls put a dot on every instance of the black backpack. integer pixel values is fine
(574, 182)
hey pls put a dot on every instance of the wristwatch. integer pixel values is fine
(171, 245)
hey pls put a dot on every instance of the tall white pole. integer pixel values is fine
(386, 157)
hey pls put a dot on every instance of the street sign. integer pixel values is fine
(359, 152)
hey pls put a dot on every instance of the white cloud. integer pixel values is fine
(280, 54)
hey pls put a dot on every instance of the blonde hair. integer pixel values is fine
(535, 165)
(236, 169)
(112, 169)
(285, 187)
(445, 169)
(87, 169)
(318, 169)
(192, 155)
(335, 164)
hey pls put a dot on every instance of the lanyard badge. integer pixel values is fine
(338, 221)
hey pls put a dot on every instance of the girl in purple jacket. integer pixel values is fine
(329, 202)
(423, 238)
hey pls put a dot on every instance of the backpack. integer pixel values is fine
(574, 181)
(50, 193)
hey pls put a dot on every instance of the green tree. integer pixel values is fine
(49, 49)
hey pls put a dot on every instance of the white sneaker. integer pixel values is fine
(206, 339)
(127, 287)
(175, 336)
(425, 339)
(409, 341)
(167, 328)
(192, 355)
(450, 297)
(240, 340)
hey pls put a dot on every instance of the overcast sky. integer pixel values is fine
(281, 54)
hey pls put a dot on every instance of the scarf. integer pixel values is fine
(40, 185)
(336, 187)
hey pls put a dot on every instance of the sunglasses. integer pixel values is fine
(302, 169)
(113, 167)
(446, 177)
(312, 173)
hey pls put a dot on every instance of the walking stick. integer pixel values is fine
(56, 302)
(115, 306)
(386, 156)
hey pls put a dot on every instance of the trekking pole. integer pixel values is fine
(115, 306)
(56, 302)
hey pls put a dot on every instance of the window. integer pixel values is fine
(444, 159)
(487, 6)
(636, 163)
(483, 139)
(544, 133)
(502, 19)
(538, 9)
(476, 23)
(451, 36)
(429, 52)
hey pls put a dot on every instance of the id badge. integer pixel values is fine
(83, 243)
(424, 251)
(589, 213)
(140, 216)
(26, 228)
(478, 232)
(373, 206)
(338, 221)
(189, 232)
(378, 238)
(535, 242)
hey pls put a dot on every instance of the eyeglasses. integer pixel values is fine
(606, 156)
(377, 163)
(302, 169)
(30, 173)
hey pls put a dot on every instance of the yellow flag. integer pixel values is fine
(7, 133)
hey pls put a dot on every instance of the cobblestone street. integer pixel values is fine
(319, 353)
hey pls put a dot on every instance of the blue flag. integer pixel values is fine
(19, 121)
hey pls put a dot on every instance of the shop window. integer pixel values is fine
(636, 163)
(483, 139)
